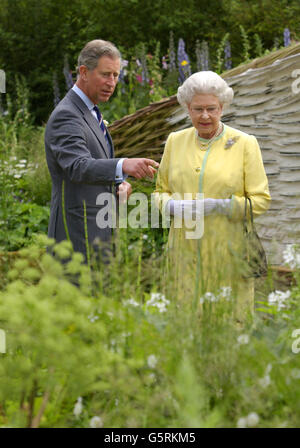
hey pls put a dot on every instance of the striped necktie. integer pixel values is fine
(102, 125)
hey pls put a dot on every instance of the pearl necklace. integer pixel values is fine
(204, 143)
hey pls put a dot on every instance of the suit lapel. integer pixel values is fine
(111, 143)
(90, 120)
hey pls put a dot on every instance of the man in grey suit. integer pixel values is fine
(80, 153)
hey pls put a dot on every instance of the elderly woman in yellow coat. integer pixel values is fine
(225, 166)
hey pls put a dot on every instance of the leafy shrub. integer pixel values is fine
(103, 348)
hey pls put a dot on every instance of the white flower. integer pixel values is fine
(156, 296)
(126, 335)
(291, 256)
(96, 422)
(159, 301)
(208, 297)
(152, 361)
(93, 318)
(243, 339)
(242, 422)
(17, 176)
(269, 368)
(219, 393)
(265, 381)
(78, 407)
(225, 292)
(131, 302)
(145, 236)
(295, 373)
(252, 420)
(278, 298)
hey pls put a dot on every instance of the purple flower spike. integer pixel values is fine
(172, 56)
(227, 52)
(68, 74)
(202, 56)
(286, 37)
(145, 75)
(164, 63)
(123, 73)
(183, 62)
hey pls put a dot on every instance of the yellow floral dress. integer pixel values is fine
(230, 168)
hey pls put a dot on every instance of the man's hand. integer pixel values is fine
(140, 168)
(124, 191)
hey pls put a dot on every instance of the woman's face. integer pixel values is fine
(205, 111)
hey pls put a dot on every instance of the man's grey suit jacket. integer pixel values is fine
(78, 156)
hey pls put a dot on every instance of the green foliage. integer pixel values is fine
(24, 179)
(54, 352)
(19, 218)
(259, 50)
(142, 84)
(220, 54)
(121, 337)
(38, 34)
(20, 222)
(136, 352)
(246, 44)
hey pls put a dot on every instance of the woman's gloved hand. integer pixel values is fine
(192, 209)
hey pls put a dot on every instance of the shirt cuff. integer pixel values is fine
(120, 176)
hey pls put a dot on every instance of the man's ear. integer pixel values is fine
(83, 72)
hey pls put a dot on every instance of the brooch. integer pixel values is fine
(231, 141)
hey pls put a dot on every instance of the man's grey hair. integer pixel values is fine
(206, 82)
(95, 49)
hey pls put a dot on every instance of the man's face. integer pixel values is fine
(100, 83)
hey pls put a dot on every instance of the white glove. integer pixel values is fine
(194, 208)
(216, 206)
(182, 208)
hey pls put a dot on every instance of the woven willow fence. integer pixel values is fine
(264, 105)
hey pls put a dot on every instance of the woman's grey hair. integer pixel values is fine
(95, 49)
(204, 82)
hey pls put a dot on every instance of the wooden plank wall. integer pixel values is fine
(267, 105)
